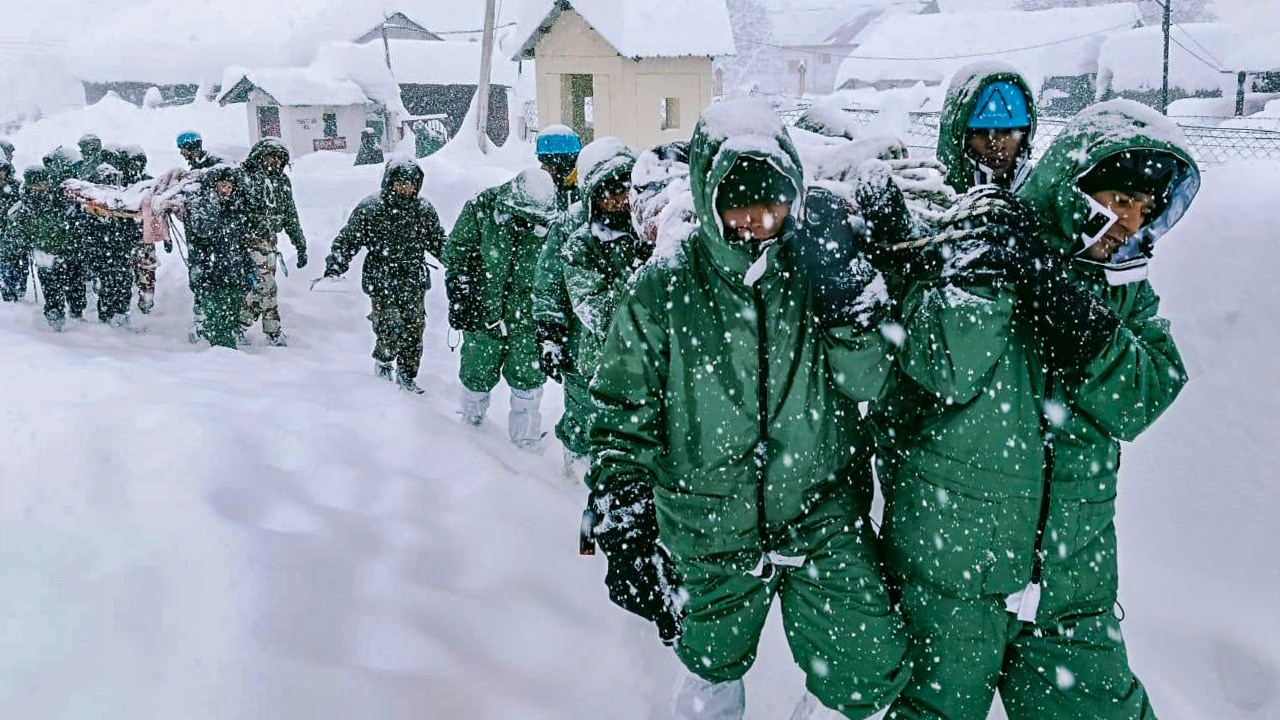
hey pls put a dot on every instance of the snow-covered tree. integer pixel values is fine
(1152, 10)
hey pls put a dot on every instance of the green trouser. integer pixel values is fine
(574, 427)
(836, 614)
(220, 308)
(489, 355)
(398, 324)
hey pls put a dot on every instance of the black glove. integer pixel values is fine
(553, 351)
(302, 257)
(836, 261)
(883, 207)
(990, 237)
(641, 578)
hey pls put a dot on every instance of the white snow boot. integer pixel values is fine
(811, 708)
(698, 699)
(576, 467)
(524, 422)
(474, 406)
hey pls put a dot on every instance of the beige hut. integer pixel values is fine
(637, 69)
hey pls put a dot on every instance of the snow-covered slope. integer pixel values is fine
(274, 533)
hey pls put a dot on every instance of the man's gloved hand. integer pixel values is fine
(990, 237)
(302, 257)
(553, 351)
(882, 206)
(641, 577)
(848, 291)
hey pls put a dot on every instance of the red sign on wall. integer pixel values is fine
(333, 143)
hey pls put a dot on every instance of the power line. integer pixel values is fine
(995, 53)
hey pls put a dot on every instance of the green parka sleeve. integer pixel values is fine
(352, 237)
(464, 266)
(627, 434)
(292, 225)
(859, 362)
(954, 338)
(550, 299)
(1137, 376)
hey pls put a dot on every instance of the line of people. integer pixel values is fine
(1006, 347)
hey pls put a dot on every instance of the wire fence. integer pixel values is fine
(1212, 140)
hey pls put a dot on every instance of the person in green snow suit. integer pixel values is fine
(556, 329)
(272, 210)
(15, 258)
(728, 435)
(399, 229)
(1027, 359)
(490, 262)
(216, 220)
(40, 224)
(987, 127)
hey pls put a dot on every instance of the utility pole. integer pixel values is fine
(482, 90)
(1164, 85)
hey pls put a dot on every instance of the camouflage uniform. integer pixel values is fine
(398, 233)
(490, 260)
(272, 210)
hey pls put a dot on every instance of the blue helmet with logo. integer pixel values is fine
(1001, 105)
(558, 140)
(189, 139)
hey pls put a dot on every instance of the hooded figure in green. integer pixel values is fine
(728, 435)
(490, 262)
(1028, 358)
(272, 210)
(399, 229)
(987, 127)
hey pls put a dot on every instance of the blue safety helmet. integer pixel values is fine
(558, 143)
(189, 139)
(1001, 105)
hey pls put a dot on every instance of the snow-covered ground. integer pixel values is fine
(209, 534)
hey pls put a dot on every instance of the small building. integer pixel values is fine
(637, 69)
(1056, 49)
(1131, 63)
(398, 26)
(306, 110)
(1256, 67)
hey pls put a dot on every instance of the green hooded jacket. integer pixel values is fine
(717, 388)
(494, 246)
(272, 208)
(398, 233)
(42, 223)
(552, 311)
(967, 425)
(962, 96)
(598, 263)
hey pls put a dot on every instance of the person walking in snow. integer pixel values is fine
(40, 224)
(191, 147)
(1031, 355)
(108, 242)
(489, 266)
(728, 435)
(399, 229)
(557, 148)
(272, 210)
(217, 223)
(144, 260)
(15, 258)
(987, 127)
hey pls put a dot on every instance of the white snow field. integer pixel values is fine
(208, 534)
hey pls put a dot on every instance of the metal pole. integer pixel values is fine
(1164, 86)
(482, 90)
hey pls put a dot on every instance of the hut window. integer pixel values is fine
(670, 113)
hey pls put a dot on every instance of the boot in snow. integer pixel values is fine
(146, 303)
(524, 422)
(242, 340)
(56, 321)
(277, 339)
(474, 406)
(384, 370)
(407, 384)
(119, 320)
(576, 466)
(697, 699)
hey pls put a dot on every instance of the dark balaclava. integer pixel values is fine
(753, 181)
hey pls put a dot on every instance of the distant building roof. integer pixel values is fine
(295, 87)
(635, 28)
(811, 23)
(971, 6)
(929, 48)
(1261, 53)
(398, 26)
(422, 63)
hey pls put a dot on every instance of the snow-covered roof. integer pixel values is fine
(1061, 41)
(413, 62)
(635, 28)
(1132, 60)
(973, 6)
(295, 87)
(1260, 53)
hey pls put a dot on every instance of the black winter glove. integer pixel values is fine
(553, 351)
(1072, 323)
(848, 291)
(302, 257)
(641, 577)
(463, 315)
(883, 207)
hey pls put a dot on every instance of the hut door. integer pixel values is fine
(269, 121)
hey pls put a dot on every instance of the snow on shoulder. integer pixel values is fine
(745, 116)
(598, 152)
(1114, 119)
(537, 185)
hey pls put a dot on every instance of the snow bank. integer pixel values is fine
(1133, 60)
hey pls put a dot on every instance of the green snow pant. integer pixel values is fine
(398, 324)
(220, 309)
(488, 356)
(574, 428)
(836, 613)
